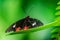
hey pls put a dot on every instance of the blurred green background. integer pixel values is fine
(14, 10)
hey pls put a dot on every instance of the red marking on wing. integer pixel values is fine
(17, 29)
(25, 27)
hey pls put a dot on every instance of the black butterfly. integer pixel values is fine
(24, 24)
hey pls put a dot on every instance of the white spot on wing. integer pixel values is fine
(14, 25)
(34, 24)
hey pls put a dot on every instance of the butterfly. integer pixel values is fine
(24, 24)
